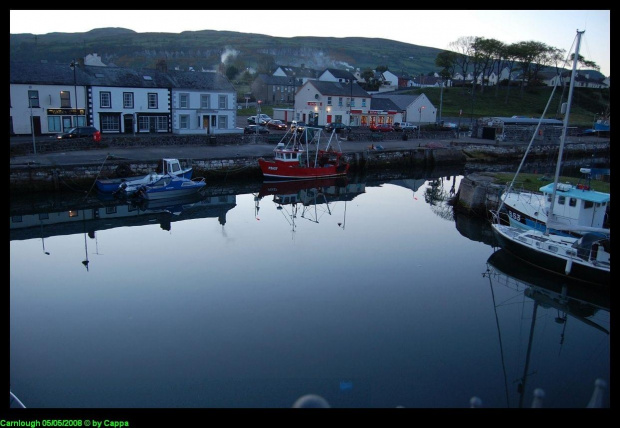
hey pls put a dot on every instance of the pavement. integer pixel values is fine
(154, 153)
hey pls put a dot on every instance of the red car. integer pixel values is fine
(276, 124)
(381, 127)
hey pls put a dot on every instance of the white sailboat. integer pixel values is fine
(586, 258)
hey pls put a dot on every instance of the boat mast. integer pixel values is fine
(564, 128)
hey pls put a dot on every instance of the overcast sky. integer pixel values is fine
(556, 28)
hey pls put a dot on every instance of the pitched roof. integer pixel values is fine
(62, 74)
(279, 80)
(340, 74)
(299, 72)
(402, 101)
(384, 104)
(339, 89)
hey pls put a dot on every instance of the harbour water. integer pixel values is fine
(370, 294)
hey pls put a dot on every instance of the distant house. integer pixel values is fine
(319, 103)
(275, 89)
(300, 74)
(335, 75)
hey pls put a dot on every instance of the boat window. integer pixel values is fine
(572, 202)
(588, 204)
(561, 200)
(548, 198)
(553, 248)
(175, 167)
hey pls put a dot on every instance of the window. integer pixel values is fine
(153, 123)
(363, 102)
(339, 101)
(223, 102)
(109, 123)
(127, 99)
(205, 101)
(183, 100)
(65, 99)
(105, 100)
(184, 121)
(352, 102)
(588, 204)
(561, 200)
(572, 202)
(33, 99)
(152, 100)
(53, 124)
(44, 216)
(222, 122)
(329, 101)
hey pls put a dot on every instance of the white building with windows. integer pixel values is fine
(318, 103)
(203, 103)
(58, 102)
(118, 100)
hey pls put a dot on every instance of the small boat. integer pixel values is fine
(169, 166)
(169, 186)
(585, 258)
(293, 161)
(576, 207)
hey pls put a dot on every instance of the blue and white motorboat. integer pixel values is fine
(169, 166)
(167, 187)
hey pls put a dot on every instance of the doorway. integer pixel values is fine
(205, 124)
(36, 124)
(128, 123)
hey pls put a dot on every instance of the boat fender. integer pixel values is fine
(569, 265)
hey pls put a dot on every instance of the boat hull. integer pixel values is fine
(281, 170)
(553, 263)
(111, 185)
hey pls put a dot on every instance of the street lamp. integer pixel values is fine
(420, 123)
(73, 66)
(34, 145)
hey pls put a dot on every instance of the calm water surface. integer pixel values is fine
(377, 299)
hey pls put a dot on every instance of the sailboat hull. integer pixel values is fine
(533, 247)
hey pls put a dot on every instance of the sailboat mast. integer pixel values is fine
(564, 129)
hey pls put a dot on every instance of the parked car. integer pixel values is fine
(81, 132)
(251, 129)
(381, 127)
(276, 124)
(405, 127)
(339, 127)
(263, 119)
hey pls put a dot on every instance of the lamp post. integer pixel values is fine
(34, 144)
(440, 100)
(420, 123)
(73, 66)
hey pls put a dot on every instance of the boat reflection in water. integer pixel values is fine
(309, 199)
(563, 297)
(87, 216)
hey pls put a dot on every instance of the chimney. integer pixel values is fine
(162, 66)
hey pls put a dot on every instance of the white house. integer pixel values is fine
(55, 93)
(319, 103)
(335, 75)
(203, 103)
(417, 109)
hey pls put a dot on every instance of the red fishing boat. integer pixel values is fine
(293, 160)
